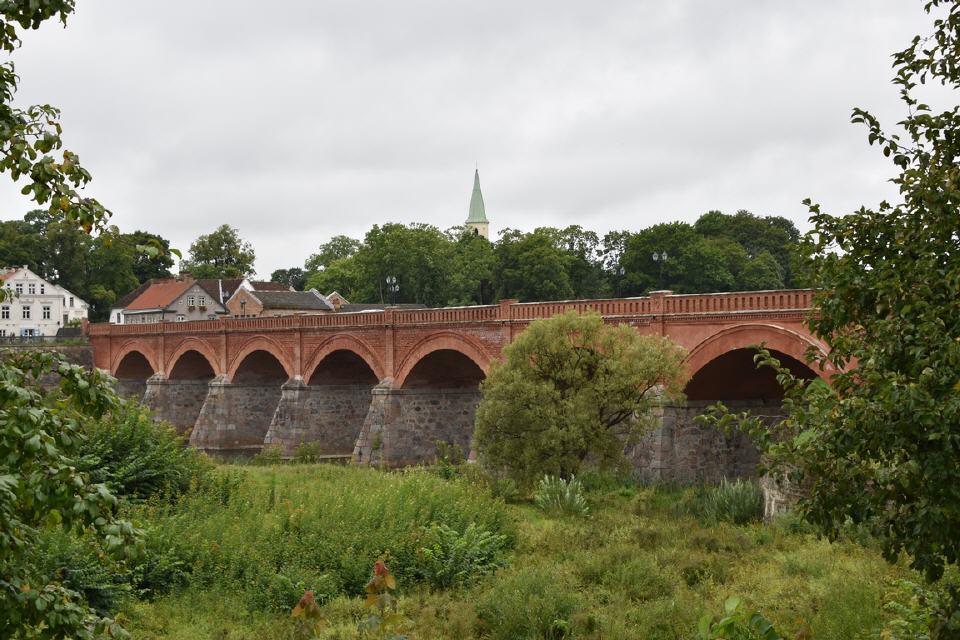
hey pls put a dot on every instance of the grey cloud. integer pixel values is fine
(297, 120)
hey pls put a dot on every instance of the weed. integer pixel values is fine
(558, 496)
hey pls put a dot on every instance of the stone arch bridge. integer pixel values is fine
(386, 386)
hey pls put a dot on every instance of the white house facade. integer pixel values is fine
(34, 307)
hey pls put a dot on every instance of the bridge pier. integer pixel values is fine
(235, 416)
(403, 426)
(330, 415)
(680, 450)
(177, 402)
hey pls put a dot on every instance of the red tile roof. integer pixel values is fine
(160, 294)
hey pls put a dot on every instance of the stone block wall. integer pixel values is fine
(680, 450)
(177, 402)
(403, 426)
(330, 415)
(235, 417)
(131, 389)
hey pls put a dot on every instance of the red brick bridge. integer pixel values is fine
(386, 386)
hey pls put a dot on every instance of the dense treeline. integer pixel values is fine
(454, 267)
(100, 269)
(718, 252)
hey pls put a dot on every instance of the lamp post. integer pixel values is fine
(661, 259)
(620, 271)
(393, 288)
(243, 308)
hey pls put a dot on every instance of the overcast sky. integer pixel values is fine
(296, 120)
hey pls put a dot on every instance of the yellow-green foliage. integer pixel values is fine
(570, 388)
(636, 568)
(274, 532)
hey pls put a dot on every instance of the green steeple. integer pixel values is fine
(478, 213)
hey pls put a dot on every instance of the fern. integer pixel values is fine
(455, 558)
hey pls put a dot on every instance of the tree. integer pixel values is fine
(337, 248)
(40, 487)
(572, 388)
(473, 268)
(530, 267)
(149, 264)
(221, 254)
(879, 445)
(294, 276)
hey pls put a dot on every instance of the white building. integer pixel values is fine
(35, 307)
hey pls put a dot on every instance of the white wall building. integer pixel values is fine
(35, 307)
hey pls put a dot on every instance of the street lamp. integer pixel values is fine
(243, 308)
(661, 259)
(620, 273)
(393, 287)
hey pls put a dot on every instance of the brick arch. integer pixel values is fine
(435, 342)
(130, 346)
(260, 343)
(742, 336)
(201, 347)
(349, 343)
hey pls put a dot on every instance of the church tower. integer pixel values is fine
(477, 218)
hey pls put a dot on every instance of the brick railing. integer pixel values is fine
(656, 304)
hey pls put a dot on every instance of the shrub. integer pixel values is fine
(137, 457)
(454, 558)
(249, 523)
(269, 455)
(571, 389)
(306, 453)
(739, 502)
(529, 603)
(79, 564)
(559, 496)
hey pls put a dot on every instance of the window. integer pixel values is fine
(71, 301)
(190, 301)
(202, 301)
(43, 289)
(5, 312)
(26, 313)
(19, 288)
(32, 289)
(3, 333)
(46, 313)
(181, 318)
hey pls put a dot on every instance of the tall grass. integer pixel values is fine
(274, 532)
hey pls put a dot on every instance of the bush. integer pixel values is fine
(558, 496)
(137, 457)
(80, 565)
(454, 558)
(530, 603)
(739, 502)
(306, 453)
(571, 389)
(268, 456)
(249, 523)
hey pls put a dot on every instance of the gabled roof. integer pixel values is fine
(220, 286)
(9, 272)
(300, 300)
(478, 213)
(123, 302)
(159, 295)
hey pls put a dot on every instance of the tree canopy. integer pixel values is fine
(717, 253)
(572, 388)
(880, 444)
(221, 253)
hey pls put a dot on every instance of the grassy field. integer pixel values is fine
(642, 564)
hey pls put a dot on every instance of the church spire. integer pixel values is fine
(477, 217)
